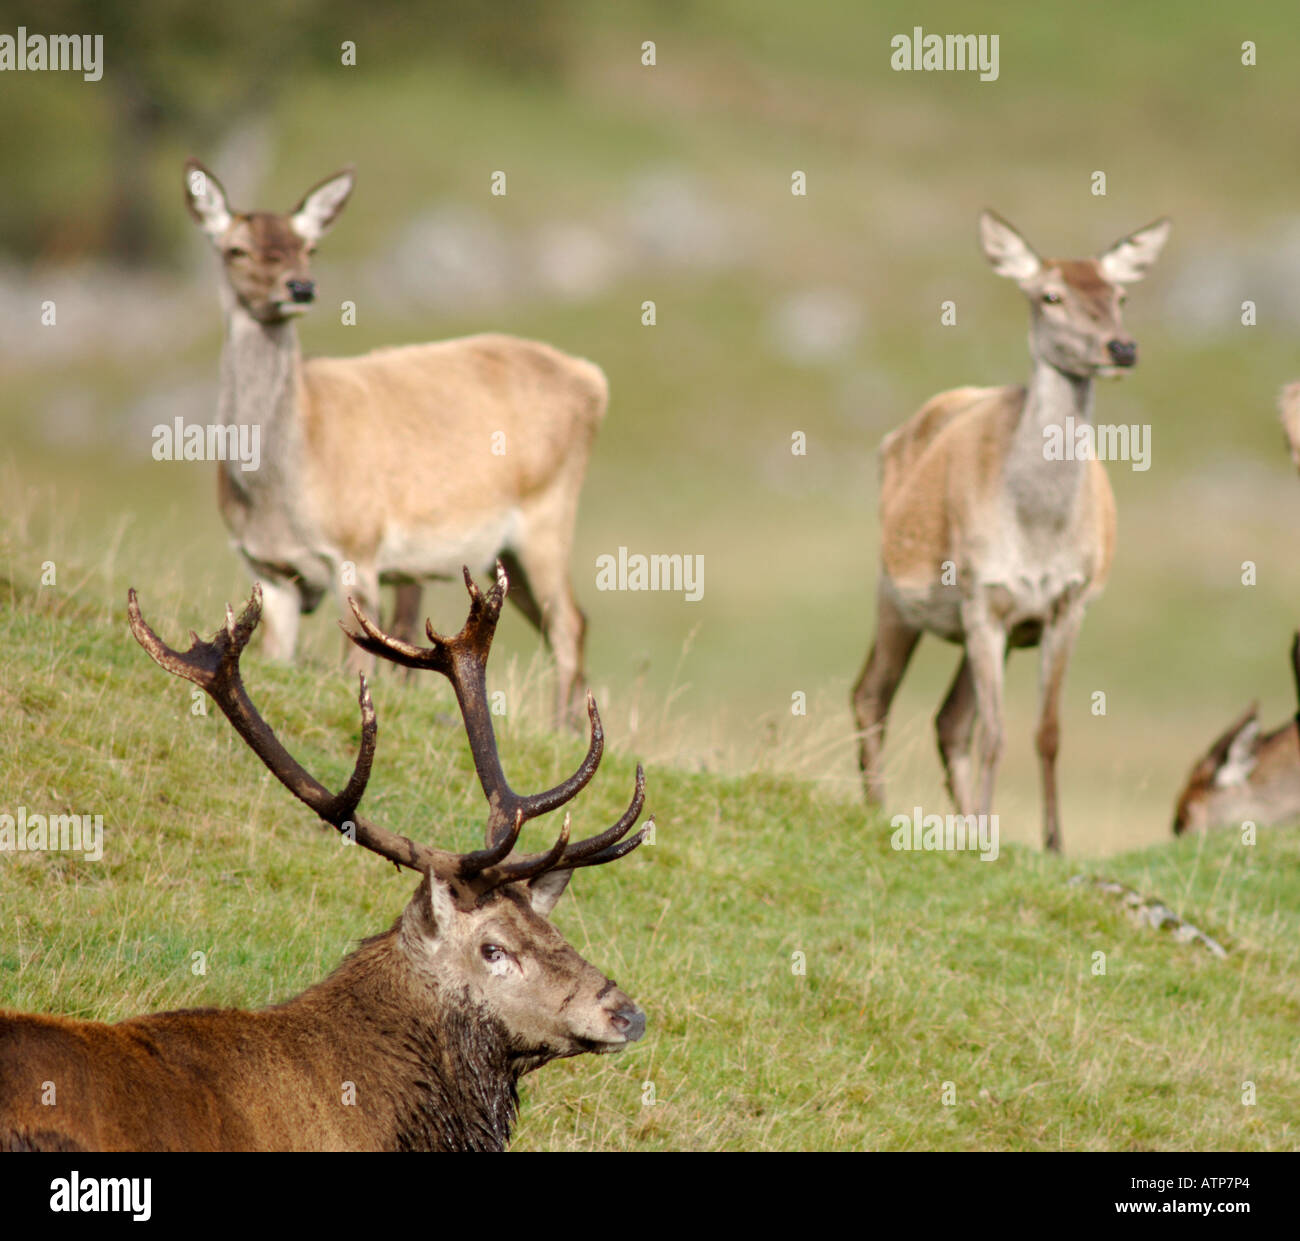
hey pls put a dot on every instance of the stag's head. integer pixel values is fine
(476, 936)
(499, 958)
(1076, 316)
(266, 256)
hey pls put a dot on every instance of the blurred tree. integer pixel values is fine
(190, 72)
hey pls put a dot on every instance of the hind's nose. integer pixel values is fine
(629, 1022)
(302, 290)
(1122, 352)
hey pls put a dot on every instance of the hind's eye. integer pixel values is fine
(493, 952)
(236, 253)
(1051, 299)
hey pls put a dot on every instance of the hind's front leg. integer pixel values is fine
(875, 689)
(281, 608)
(361, 586)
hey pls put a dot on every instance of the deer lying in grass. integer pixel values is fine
(417, 1040)
(989, 540)
(396, 466)
(1245, 775)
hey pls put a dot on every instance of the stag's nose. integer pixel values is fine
(629, 1021)
(1123, 352)
(302, 290)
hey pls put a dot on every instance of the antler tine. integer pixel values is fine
(350, 796)
(607, 846)
(475, 635)
(214, 667)
(377, 642)
(475, 863)
(534, 863)
(594, 845)
(552, 799)
(614, 852)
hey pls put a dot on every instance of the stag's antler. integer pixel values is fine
(463, 661)
(214, 667)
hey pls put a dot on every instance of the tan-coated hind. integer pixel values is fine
(396, 466)
(987, 542)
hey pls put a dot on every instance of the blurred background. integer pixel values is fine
(775, 314)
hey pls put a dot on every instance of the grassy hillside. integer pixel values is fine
(921, 969)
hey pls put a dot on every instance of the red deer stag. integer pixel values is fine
(1245, 775)
(417, 1040)
(991, 537)
(396, 466)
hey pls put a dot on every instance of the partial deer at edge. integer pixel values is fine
(1245, 775)
(1289, 407)
(417, 1040)
(398, 465)
(984, 540)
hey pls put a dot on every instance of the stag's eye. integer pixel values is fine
(236, 253)
(1052, 299)
(493, 952)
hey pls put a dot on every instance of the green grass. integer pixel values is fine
(921, 969)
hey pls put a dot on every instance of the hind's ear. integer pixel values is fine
(315, 215)
(1011, 255)
(206, 199)
(545, 891)
(1130, 258)
(1240, 754)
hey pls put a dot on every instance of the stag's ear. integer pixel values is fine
(1238, 751)
(1011, 255)
(433, 907)
(206, 199)
(545, 890)
(320, 207)
(1130, 258)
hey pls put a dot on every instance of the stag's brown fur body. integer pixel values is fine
(427, 1072)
